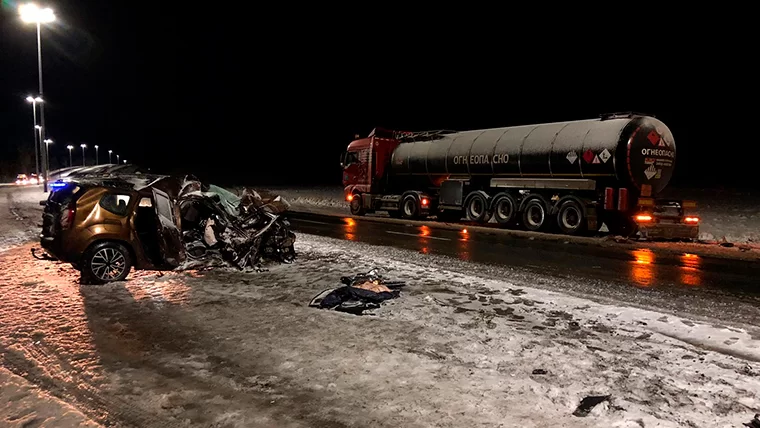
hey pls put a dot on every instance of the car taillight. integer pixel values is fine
(67, 219)
(691, 219)
(643, 218)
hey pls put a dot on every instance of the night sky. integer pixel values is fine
(265, 97)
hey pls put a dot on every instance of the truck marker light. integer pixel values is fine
(349, 198)
(691, 219)
(643, 217)
(424, 201)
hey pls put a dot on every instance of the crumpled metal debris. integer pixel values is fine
(218, 227)
(359, 293)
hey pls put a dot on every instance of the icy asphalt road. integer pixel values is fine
(466, 345)
(715, 288)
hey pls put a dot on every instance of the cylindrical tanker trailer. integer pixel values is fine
(580, 176)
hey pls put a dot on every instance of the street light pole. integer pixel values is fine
(48, 142)
(39, 129)
(109, 156)
(97, 162)
(30, 12)
(117, 159)
(70, 147)
(84, 148)
(34, 102)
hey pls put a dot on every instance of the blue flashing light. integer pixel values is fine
(58, 184)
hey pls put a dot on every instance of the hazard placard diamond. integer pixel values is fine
(596, 159)
(588, 156)
(605, 155)
(650, 172)
(571, 157)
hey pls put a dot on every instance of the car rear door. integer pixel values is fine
(169, 234)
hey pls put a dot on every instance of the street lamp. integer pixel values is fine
(109, 156)
(125, 161)
(31, 13)
(70, 147)
(96, 155)
(84, 149)
(34, 101)
(48, 142)
(117, 159)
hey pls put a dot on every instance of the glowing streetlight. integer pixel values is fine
(109, 156)
(125, 161)
(84, 149)
(48, 142)
(97, 162)
(33, 14)
(117, 159)
(70, 147)
(34, 101)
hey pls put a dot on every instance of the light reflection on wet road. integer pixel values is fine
(641, 268)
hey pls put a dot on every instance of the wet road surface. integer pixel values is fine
(683, 282)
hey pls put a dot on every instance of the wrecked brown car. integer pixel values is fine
(105, 226)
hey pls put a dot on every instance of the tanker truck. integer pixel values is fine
(580, 177)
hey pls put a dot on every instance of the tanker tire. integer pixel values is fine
(476, 208)
(504, 209)
(535, 215)
(410, 207)
(357, 207)
(570, 218)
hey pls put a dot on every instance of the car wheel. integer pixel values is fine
(357, 207)
(410, 207)
(570, 218)
(504, 207)
(535, 215)
(106, 262)
(476, 208)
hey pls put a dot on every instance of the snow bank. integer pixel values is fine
(25, 405)
(20, 213)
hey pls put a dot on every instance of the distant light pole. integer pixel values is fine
(31, 13)
(117, 159)
(97, 162)
(84, 149)
(34, 101)
(109, 156)
(70, 147)
(42, 152)
(125, 161)
(48, 142)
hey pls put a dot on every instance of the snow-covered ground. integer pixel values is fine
(730, 215)
(225, 348)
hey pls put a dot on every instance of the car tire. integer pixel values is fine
(410, 207)
(570, 218)
(535, 215)
(476, 207)
(357, 205)
(505, 209)
(106, 262)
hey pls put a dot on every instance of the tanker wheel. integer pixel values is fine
(570, 218)
(476, 208)
(410, 207)
(534, 216)
(357, 208)
(504, 208)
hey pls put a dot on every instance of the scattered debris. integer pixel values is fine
(588, 403)
(539, 371)
(360, 292)
(754, 423)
